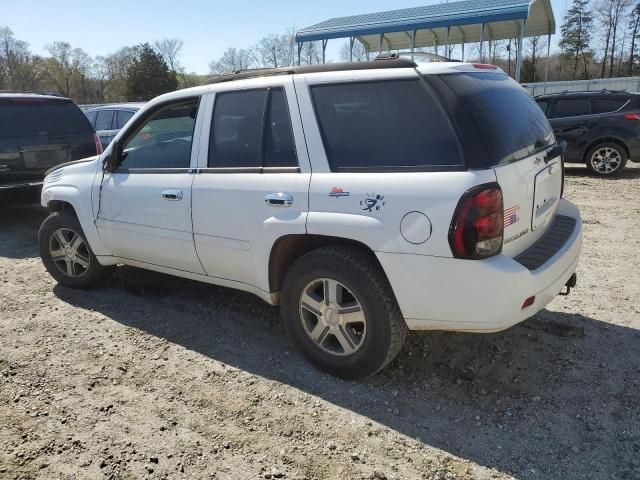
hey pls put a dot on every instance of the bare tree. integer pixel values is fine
(171, 50)
(310, 53)
(635, 30)
(19, 69)
(359, 52)
(274, 51)
(67, 66)
(609, 14)
(232, 60)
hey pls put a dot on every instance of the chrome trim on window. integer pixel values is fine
(250, 170)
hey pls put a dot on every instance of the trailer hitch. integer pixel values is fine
(571, 283)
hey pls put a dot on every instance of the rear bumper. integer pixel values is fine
(437, 293)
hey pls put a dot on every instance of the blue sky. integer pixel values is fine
(208, 28)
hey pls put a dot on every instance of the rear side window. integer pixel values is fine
(511, 123)
(42, 118)
(606, 105)
(123, 117)
(395, 124)
(571, 107)
(251, 128)
(104, 120)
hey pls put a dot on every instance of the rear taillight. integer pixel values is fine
(477, 227)
(484, 66)
(96, 139)
(632, 116)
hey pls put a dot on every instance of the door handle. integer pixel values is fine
(172, 195)
(278, 199)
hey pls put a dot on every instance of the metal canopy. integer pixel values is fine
(430, 22)
(468, 21)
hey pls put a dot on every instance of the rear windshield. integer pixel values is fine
(42, 118)
(388, 125)
(512, 124)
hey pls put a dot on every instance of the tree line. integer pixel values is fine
(598, 39)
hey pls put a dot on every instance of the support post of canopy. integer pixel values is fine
(481, 42)
(446, 42)
(299, 52)
(381, 39)
(463, 41)
(519, 53)
(324, 49)
(351, 41)
(413, 43)
(546, 66)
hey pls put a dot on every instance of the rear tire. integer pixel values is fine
(66, 254)
(606, 159)
(339, 310)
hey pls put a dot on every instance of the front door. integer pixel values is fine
(571, 119)
(253, 188)
(145, 203)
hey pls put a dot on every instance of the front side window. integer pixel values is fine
(571, 107)
(251, 128)
(92, 116)
(391, 124)
(123, 117)
(544, 105)
(164, 139)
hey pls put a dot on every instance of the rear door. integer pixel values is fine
(39, 133)
(252, 187)
(571, 119)
(517, 137)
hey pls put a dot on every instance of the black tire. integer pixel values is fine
(366, 285)
(91, 276)
(602, 169)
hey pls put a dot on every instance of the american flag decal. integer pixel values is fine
(511, 215)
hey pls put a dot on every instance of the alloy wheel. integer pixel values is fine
(606, 160)
(332, 317)
(69, 253)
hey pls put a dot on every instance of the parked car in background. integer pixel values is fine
(108, 120)
(602, 129)
(365, 198)
(38, 132)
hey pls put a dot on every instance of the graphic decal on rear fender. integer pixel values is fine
(338, 192)
(511, 215)
(373, 202)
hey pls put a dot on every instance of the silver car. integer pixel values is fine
(108, 120)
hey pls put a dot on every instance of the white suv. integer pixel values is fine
(365, 198)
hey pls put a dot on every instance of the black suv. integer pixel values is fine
(602, 129)
(38, 132)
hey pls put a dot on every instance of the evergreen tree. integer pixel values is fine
(149, 75)
(576, 34)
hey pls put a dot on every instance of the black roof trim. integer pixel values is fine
(390, 62)
(583, 93)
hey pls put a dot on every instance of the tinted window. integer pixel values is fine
(509, 120)
(163, 140)
(236, 130)
(384, 124)
(92, 116)
(32, 118)
(571, 107)
(279, 147)
(606, 105)
(123, 117)
(544, 105)
(104, 119)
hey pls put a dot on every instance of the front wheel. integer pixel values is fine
(606, 159)
(66, 254)
(339, 310)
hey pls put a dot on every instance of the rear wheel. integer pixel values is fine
(66, 254)
(606, 159)
(338, 309)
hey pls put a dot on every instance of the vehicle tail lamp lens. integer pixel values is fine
(484, 66)
(96, 139)
(528, 302)
(477, 227)
(632, 116)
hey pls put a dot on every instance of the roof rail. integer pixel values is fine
(30, 92)
(382, 62)
(430, 56)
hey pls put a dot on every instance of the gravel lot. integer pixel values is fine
(167, 378)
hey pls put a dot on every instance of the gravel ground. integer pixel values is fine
(160, 377)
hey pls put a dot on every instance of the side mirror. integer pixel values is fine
(110, 162)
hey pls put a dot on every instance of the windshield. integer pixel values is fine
(509, 120)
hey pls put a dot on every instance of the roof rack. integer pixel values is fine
(390, 61)
(430, 56)
(29, 92)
